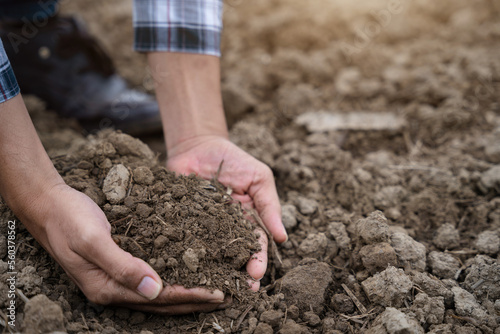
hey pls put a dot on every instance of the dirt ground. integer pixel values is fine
(391, 231)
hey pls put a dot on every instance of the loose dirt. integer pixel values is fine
(391, 231)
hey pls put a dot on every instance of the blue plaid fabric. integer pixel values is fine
(8, 83)
(192, 26)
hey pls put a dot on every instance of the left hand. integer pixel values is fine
(252, 183)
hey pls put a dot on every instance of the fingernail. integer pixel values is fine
(149, 288)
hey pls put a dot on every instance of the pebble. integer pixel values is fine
(409, 252)
(443, 265)
(307, 206)
(447, 237)
(388, 288)
(393, 321)
(313, 246)
(339, 233)
(306, 284)
(42, 315)
(116, 183)
(190, 258)
(488, 242)
(373, 229)
(377, 257)
(289, 216)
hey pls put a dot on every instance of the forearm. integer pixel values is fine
(26, 171)
(189, 95)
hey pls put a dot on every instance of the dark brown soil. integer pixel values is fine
(390, 231)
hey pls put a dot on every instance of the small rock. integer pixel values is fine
(443, 265)
(263, 328)
(447, 237)
(143, 210)
(373, 229)
(393, 321)
(42, 315)
(291, 327)
(307, 206)
(272, 317)
(313, 246)
(339, 233)
(483, 277)
(116, 183)
(467, 306)
(428, 310)
(143, 175)
(289, 216)
(311, 318)
(306, 284)
(377, 257)
(389, 197)
(341, 303)
(490, 180)
(410, 253)
(128, 145)
(388, 288)
(190, 258)
(488, 242)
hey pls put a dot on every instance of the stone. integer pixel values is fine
(377, 257)
(393, 321)
(483, 277)
(263, 328)
(307, 206)
(143, 175)
(289, 216)
(341, 303)
(443, 265)
(311, 318)
(42, 315)
(373, 229)
(116, 183)
(447, 237)
(490, 180)
(388, 288)
(428, 310)
(190, 258)
(410, 253)
(339, 233)
(488, 242)
(466, 305)
(306, 284)
(313, 246)
(389, 197)
(272, 317)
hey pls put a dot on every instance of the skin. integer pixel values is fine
(74, 230)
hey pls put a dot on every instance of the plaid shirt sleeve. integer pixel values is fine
(8, 83)
(192, 26)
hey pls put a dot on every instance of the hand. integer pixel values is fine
(73, 229)
(252, 183)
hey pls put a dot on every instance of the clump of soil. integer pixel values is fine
(188, 229)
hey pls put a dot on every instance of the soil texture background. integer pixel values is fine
(394, 230)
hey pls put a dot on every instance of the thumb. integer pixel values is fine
(131, 272)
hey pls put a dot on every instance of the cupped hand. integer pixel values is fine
(74, 230)
(251, 181)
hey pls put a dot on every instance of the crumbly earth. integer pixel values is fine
(394, 231)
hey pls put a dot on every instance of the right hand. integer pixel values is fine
(74, 230)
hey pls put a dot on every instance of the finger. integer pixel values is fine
(257, 265)
(175, 309)
(266, 201)
(177, 294)
(122, 267)
(254, 285)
